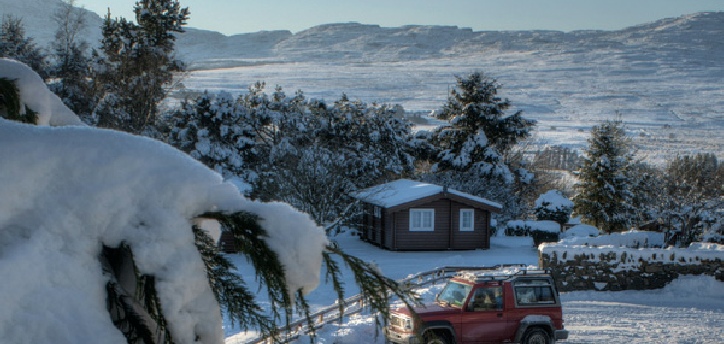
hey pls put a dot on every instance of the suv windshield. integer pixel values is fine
(454, 294)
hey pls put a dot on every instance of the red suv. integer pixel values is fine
(493, 305)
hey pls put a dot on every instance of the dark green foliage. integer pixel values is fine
(219, 123)
(540, 237)
(479, 133)
(558, 215)
(131, 298)
(605, 197)
(475, 152)
(249, 240)
(14, 44)
(645, 183)
(10, 104)
(376, 289)
(138, 65)
(229, 288)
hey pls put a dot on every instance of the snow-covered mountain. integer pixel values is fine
(663, 79)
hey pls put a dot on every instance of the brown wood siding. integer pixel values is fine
(467, 240)
(438, 239)
(368, 222)
(377, 225)
(447, 234)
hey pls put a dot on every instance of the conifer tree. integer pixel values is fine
(474, 151)
(605, 197)
(16, 45)
(138, 65)
(479, 133)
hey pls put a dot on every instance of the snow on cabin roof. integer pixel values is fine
(403, 191)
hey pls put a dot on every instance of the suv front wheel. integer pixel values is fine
(536, 336)
(437, 338)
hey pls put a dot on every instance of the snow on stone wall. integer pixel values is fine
(618, 267)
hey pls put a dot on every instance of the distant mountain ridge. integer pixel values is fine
(698, 34)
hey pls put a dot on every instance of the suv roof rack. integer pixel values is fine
(501, 272)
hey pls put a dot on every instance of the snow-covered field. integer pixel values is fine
(689, 310)
(666, 92)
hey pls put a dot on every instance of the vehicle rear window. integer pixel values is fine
(534, 294)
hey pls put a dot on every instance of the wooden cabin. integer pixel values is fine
(411, 215)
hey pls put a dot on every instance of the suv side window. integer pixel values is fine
(487, 299)
(534, 292)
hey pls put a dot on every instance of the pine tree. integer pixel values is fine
(14, 44)
(479, 133)
(138, 65)
(605, 197)
(475, 150)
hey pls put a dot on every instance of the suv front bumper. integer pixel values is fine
(400, 338)
(561, 334)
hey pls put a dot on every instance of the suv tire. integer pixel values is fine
(437, 338)
(536, 336)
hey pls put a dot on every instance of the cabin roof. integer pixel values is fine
(403, 191)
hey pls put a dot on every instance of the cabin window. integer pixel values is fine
(378, 212)
(467, 224)
(422, 220)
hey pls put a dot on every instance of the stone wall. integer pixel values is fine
(607, 268)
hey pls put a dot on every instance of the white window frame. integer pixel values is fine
(472, 220)
(421, 214)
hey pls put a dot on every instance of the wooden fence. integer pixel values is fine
(354, 305)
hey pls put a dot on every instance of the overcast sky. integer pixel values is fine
(241, 16)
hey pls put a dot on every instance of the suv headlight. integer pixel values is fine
(402, 322)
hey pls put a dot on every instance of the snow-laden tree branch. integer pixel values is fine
(100, 237)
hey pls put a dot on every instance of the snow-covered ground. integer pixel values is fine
(689, 310)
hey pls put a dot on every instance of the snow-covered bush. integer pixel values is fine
(552, 205)
(541, 231)
(580, 231)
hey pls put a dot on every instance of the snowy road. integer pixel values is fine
(610, 322)
(594, 317)
(689, 310)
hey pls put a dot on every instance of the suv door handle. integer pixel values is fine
(500, 315)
